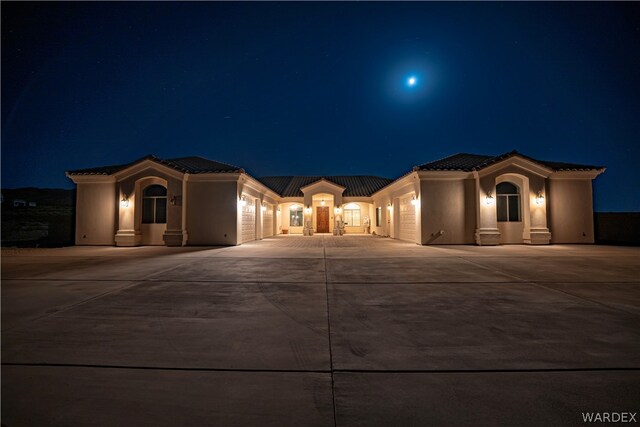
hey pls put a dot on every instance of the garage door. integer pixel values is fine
(267, 227)
(248, 220)
(407, 219)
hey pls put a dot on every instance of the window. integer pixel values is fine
(352, 217)
(508, 202)
(378, 217)
(154, 205)
(295, 216)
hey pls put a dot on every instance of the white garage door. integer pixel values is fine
(407, 219)
(248, 220)
(267, 223)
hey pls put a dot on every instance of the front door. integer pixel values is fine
(322, 219)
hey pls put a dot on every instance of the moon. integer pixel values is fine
(411, 81)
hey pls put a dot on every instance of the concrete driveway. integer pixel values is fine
(322, 330)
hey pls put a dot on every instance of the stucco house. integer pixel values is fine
(461, 199)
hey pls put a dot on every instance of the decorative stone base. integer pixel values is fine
(539, 236)
(487, 236)
(127, 238)
(175, 238)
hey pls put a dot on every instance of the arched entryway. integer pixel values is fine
(151, 217)
(509, 212)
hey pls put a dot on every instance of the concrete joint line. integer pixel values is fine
(326, 287)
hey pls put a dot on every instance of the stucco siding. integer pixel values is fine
(212, 213)
(96, 213)
(570, 211)
(448, 211)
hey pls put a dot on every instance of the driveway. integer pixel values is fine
(322, 330)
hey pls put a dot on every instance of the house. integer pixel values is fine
(19, 203)
(461, 199)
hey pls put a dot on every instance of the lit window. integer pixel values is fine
(296, 216)
(154, 205)
(378, 217)
(352, 217)
(508, 202)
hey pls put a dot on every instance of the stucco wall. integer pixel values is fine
(212, 213)
(570, 210)
(285, 217)
(383, 228)
(447, 205)
(96, 213)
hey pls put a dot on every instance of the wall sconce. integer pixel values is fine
(263, 207)
(124, 203)
(307, 210)
(337, 210)
(172, 200)
(278, 209)
(489, 199)
(242, 202)
(539, 198)
(389, 205)
(322, 202)
(414, 201)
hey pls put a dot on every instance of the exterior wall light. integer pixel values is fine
(307, 210)
(489, 200)
(322, 202)
(389, 205)
(124, 203)
(264, 207)
(243, 201)
(414, 201)
(337, 210)
(278, 209)
(539, 198)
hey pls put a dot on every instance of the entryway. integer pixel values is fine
(322, 219)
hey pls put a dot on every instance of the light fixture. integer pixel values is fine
(539, 198)
(489, 199)
(414, 201)
(173, 200)
(322, 202)
(243, 202)
(264, 207)
(278, 209)
(389, 205)
(124, 203)
(307, 210)
(337, 210)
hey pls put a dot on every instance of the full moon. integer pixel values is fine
(411, 81)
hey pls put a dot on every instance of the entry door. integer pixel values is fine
(323, 219)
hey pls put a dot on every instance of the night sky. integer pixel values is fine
(313, 89)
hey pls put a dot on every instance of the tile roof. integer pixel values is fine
(355, 185)
(472, 162)
(193, 164)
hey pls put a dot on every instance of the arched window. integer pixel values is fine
(508, 203)
(154, 205)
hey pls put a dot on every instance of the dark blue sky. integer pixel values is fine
(310, 88)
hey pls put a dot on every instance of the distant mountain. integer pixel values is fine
(42, 196)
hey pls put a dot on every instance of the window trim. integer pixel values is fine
(154, 205)
(503, 199)
(299, 212)
(351, 211)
